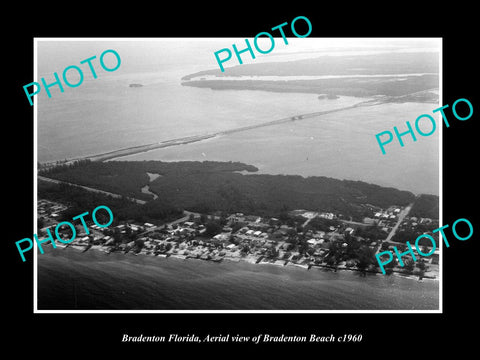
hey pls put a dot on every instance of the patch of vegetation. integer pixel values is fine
(80, 200)
(207, 187)
(426, 206)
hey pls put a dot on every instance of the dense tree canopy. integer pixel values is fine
(218, 186)
(426, 206)
(80, 200)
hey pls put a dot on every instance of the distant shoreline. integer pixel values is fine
(115, 154)
(132, 150)
(349, 86)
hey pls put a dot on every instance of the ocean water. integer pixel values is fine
(341, 145)
(101, 116)
(105, 114)
(69, 279)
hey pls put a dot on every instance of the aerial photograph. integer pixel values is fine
(259, 188)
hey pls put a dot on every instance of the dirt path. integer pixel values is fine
(138, 201)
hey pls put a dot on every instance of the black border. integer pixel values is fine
(92, 333)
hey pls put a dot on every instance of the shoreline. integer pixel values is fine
(286, 264)
(132, 150)
(71, 280)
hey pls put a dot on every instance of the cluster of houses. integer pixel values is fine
(241, 237)
(414, 221)
(247, 237)
(418, 225)
(49, 210)
(390, 213)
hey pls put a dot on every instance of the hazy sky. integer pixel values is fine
(148, 54)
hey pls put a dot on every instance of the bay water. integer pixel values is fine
(106, 114)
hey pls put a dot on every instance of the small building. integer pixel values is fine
(328, 216)
(274, 221)
(234, 218)
(309, 214)
(84, 239)
(222, 236)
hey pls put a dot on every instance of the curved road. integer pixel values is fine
(138, 201)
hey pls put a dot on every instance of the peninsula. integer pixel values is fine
(337, 76)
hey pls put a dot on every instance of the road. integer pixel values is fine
(314, 215)
(174, 222)
(401, 216)
(138, 201)
(190, 139)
